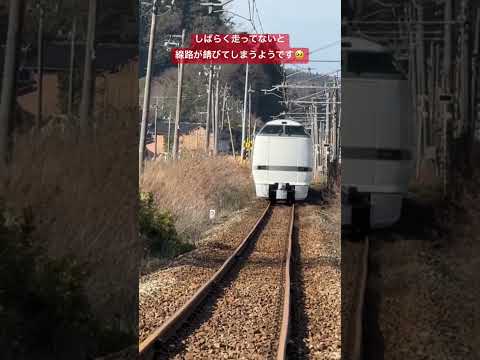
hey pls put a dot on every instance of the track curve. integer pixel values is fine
(248, 297)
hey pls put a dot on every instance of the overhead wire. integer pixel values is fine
(249, 10)
(325, 47)
(258, 15)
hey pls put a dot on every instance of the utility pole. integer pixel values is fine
(209, 105)
(146, 94)
(467, 80)
(250, 130)
(447, 79)
(7, 100)
(155, 127)
(179, 104)
(244, 117)
(337, 127)
(231, 134)
(447, 57)
(88, 79)
(420, 88)
(224, 104)
(41, 14)
(249, 112)
(215, 129)
(475, 84)
(315, 137)
(327, 133)
(169, 131)
(72, 63)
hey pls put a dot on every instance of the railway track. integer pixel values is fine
(244, 308)
(353, 349)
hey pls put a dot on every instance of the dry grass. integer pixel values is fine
(429, 185)
(428, 275)
(83, 193)
(192, 186)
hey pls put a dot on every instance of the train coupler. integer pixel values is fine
(356, 209)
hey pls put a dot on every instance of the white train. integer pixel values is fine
(377, 140)
(282, 161)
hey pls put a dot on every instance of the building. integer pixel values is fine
(116, 67)
(192, 138)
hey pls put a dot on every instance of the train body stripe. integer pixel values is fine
(283, 168)
(360, 153)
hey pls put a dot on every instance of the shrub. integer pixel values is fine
(42, 300)
(43, 303)
(158, 228)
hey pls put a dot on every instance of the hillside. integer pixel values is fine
(194, 18)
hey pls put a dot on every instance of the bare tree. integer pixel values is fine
(72, 64)
(88, 75)
(41, 13)
(7, 101)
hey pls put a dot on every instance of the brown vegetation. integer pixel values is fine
(195, 184)
(82, 194)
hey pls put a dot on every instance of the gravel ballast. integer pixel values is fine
(318, 260)
(426, 286)
(243, 319)
(165, 290)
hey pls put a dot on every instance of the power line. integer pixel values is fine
(315, 77)
(250, 17)
(252, 8)
(258, 16)
(325, 46)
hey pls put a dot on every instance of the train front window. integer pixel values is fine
(272, 130)
(360, 62)
(295, 131)
(284, 130)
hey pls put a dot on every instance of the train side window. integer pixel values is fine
(272, 130)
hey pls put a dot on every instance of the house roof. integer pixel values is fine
(185, 128)
(108, 57)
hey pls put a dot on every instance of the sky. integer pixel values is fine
(310, 23)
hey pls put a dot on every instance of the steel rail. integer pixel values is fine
(167, 329)
(356, 332)
(122, 354)
(285, 327)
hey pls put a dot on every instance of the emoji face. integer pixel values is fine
(299, 54)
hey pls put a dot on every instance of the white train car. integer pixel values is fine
(282, 161)
(377, 140)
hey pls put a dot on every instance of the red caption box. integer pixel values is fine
(240, 49)
(239, 41)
